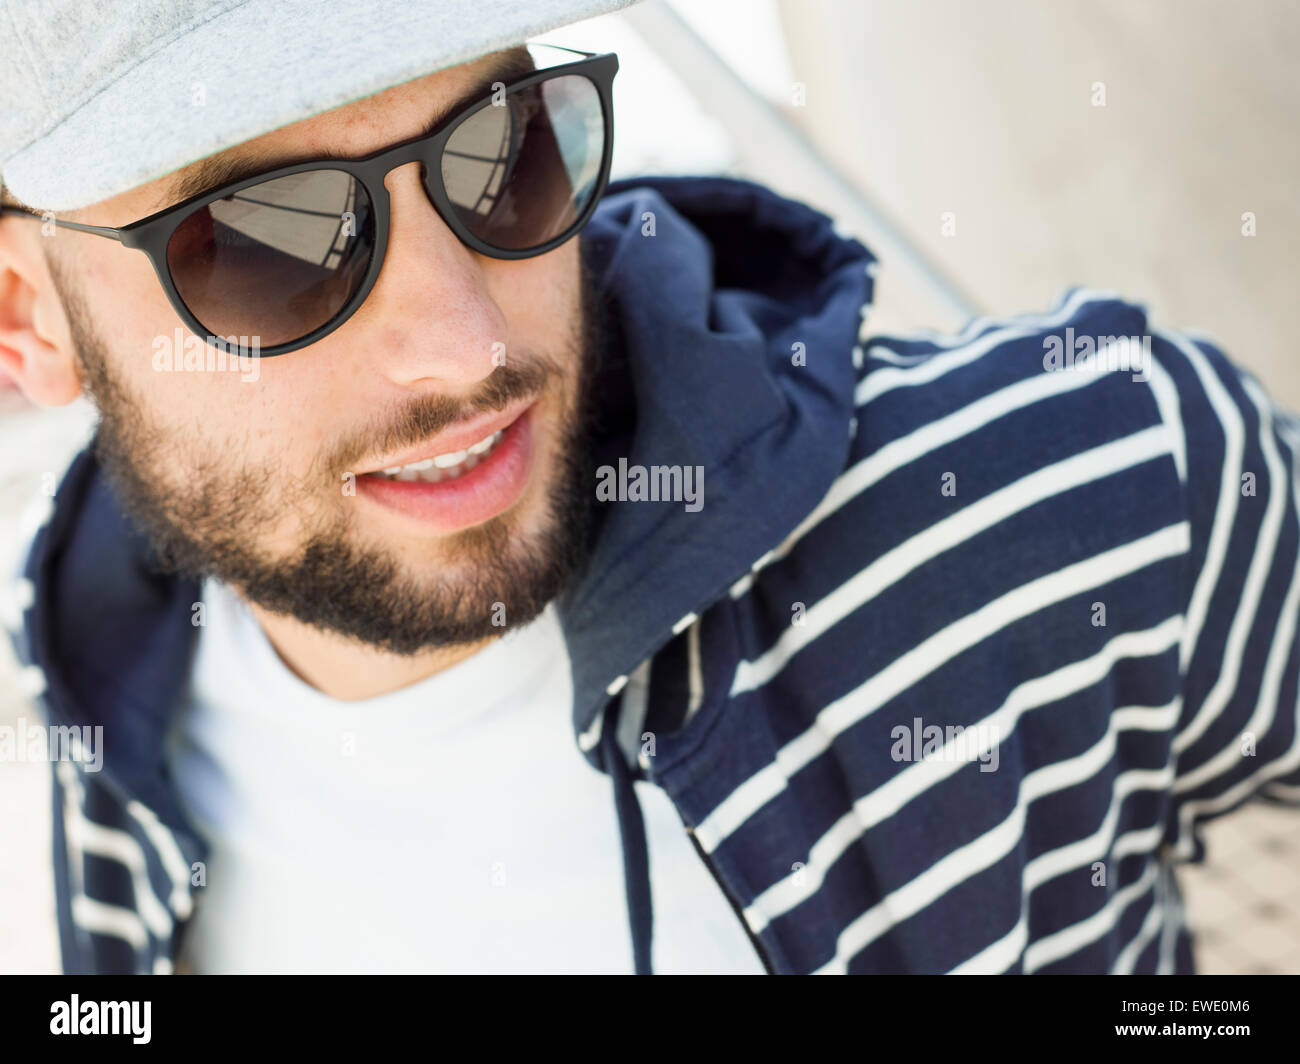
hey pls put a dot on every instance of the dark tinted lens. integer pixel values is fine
(522, 172)
(276, 260)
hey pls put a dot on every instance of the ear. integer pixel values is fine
(36, 347)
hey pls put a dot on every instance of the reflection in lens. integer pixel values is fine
(521, 173)
(277, 259)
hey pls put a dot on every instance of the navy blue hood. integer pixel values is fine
(734, 315)
(737, 312)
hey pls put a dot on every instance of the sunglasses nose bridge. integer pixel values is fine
(424, 151)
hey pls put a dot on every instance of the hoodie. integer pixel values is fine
(930, 672)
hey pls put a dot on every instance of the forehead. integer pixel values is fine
(353, 130)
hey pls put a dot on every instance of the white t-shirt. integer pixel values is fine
(452, 826)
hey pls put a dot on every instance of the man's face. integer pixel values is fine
(274, 484)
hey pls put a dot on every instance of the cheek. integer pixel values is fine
(539, 296)
(541, 299)
(135, 322)
(256, 413)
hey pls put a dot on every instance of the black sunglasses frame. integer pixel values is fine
(153, 233)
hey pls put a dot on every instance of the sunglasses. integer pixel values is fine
(289, 255)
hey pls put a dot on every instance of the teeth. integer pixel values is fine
(446, 461)
(485, 445)
(445, 466)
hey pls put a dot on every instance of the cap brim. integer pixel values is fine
(254, 68)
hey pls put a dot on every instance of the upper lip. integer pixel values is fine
(458, 437)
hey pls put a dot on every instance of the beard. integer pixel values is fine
(212, 521)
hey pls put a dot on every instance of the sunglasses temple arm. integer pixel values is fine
(96, 230)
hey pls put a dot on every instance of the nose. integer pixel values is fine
(431, 315)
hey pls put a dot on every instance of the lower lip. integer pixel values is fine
(490, 488)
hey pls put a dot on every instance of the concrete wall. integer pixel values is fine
(985, 109)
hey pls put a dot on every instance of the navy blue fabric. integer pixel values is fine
(711, 302)
(636, 854)
(828, 592)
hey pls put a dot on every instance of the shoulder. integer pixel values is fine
(1006, 364)
(1025, 461)
(1034, 403)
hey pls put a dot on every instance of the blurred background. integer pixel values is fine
(991, 154)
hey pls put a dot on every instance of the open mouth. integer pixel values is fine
(476, 473)
(447, 466)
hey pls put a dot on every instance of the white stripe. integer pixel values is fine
(741, 587)
(114, 845)
(1165, 393)
(985, 851)
(71, 794)
(923, 659)
(88, 914)
(1248, 602)
(885, 354)
(632, 711)
(890, 797)
(977, 325)
(936, 881)
(1054, 947)
(884, 380)
(1173, 923)
(1289, 431)
(18, 598)
(1243, 624)
(904, 450)
(589, 738)
(876, 384)
(998, 957)
(743, 584)
(1278, 655)
(1229, 491)
(169, 854)
(684, 623)
(1157, 917)
(1002, 954)
(953, 530)
(101, 919)
(695, 672)
(1098, 845)
(1246, 788)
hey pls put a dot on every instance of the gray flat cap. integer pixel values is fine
(99, 96)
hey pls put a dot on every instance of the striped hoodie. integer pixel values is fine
(969, 637)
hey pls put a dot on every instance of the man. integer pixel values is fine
(435, 480)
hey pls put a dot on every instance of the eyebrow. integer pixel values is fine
(226, 169)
